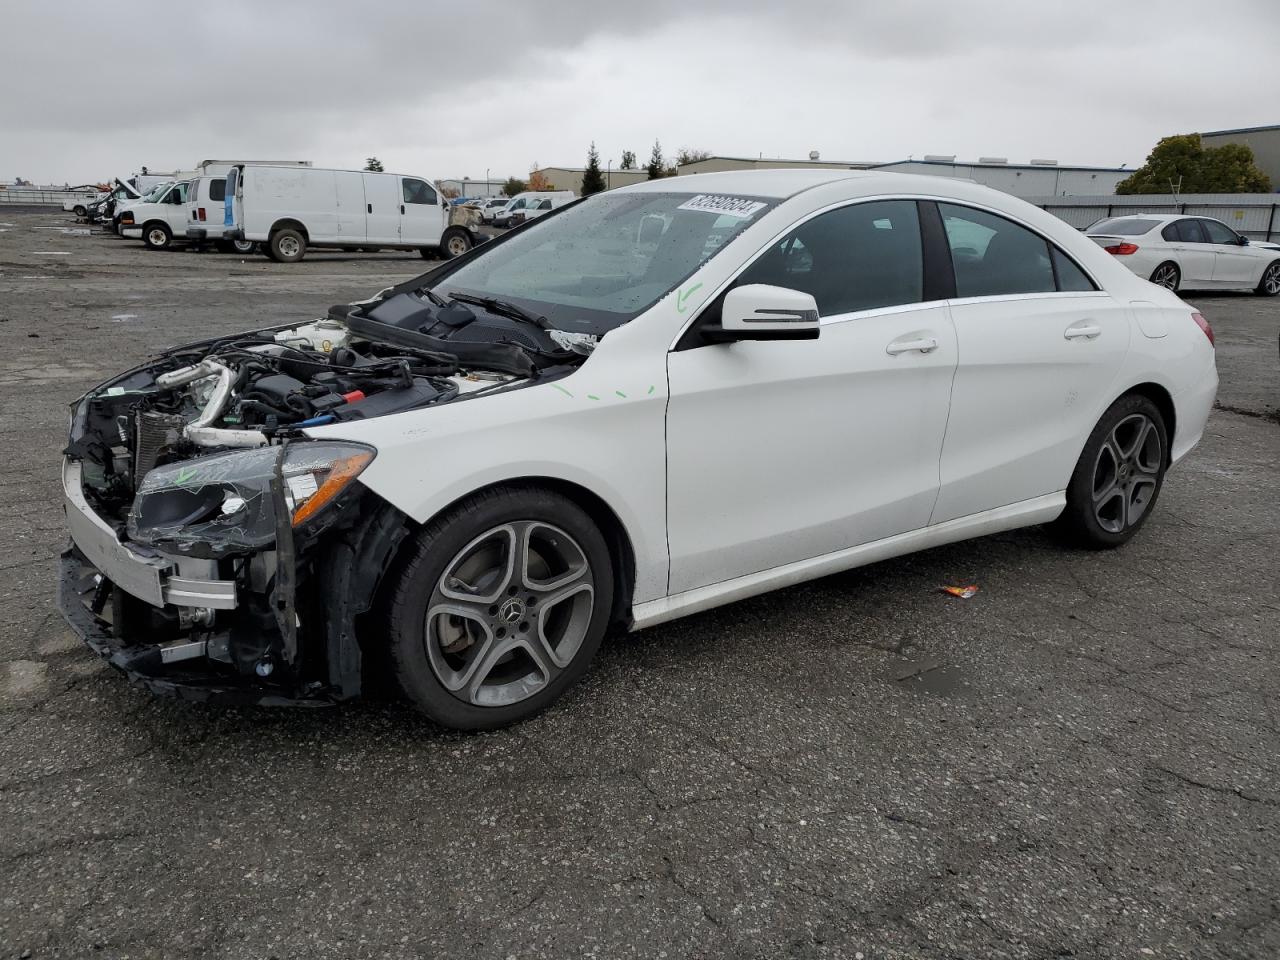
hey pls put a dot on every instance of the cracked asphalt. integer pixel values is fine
(1080, 761)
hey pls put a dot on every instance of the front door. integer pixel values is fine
(786, 450)
(1040, 348)
(1194, 253)
(421, 217)
(1233, 263)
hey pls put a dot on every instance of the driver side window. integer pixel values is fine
(418, 191)
(860, 257)
(1218, 233)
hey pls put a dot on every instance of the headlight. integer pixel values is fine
(227, 501)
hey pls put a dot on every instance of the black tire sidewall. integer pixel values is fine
(146, 236)
(1078, 520)
(275, 245)
(1262, 282)
(1177, 275)
(436, 545)
(445, 253)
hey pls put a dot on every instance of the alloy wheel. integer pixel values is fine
(509, 613)
(1126, 474)
(1271, 280)
(1166, 275)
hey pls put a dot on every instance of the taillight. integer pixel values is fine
(200, 213)
(1203, 324)
(1122, 249)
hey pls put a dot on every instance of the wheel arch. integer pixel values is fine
(1163, 400)
(288, 223)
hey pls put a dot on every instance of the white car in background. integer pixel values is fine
(665, 398)
(1189, 253)
(490, 206)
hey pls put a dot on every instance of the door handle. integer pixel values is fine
(1082, 331)
(370, 206)
(922, 344)
(402, 209)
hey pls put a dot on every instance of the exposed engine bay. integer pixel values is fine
(196, 499)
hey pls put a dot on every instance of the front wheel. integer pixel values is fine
(454, 243)
(1119, 475)
(157, 236)
(1167, 275)
(1269, 285)
(80, 211)
(500, 607)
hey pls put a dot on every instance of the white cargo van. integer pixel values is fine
(289, 209)
(159, 217)
(522, 204)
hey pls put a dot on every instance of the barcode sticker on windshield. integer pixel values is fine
(725, 206)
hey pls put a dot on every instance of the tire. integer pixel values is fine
(484, 656)
(80, 211)
(1269, 285)
(454, 243)
(243, 247)
(1119, 475)
(1167, 275)
(288, 246)
(157, 236)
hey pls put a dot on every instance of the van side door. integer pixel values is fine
(382, 207)
(349, 187)
(421, 213)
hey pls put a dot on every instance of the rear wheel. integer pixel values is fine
(1119, 475)
(1269, 285)
(288, 245)
(454, 243)
(1167, 275)
(243, 247)
(157, 236)
(500, 607)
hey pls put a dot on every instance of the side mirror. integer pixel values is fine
(1244, 241)
(759, 311)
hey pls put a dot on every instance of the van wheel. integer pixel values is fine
(454, 243)
(243, 247)
(79, 210)
(1119, 475)
(288, 246)
(157, 236)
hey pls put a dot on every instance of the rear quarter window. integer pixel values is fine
(217, 190)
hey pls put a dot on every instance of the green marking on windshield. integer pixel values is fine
(652, 388)
(592, 396)
(621, 394)
(683, 296)
(562, 390)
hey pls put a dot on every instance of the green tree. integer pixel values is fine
(628, 160)
(685, 155)
(1226, 169)
(592, 178)
(513, 186)
(374, 165)
(655, 167)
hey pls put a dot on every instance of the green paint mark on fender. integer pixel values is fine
(562, 390)
(621, 394)
(592, 396)
(652, 388)
(682, 298)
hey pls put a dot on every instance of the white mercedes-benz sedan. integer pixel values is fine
(650, 402)
(1189, 253)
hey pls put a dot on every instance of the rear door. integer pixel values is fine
(382, 207)
(1040, 347)
(421, 213)
(1233, 263)
(1192, 251)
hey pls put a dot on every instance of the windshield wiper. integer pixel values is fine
(504, 308)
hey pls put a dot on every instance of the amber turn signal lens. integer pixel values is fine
(341, 473)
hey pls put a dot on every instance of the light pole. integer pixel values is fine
(608, 175)
(488, 187)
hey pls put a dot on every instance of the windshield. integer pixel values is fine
(1124, 227)
(156, 192)
(599, 263)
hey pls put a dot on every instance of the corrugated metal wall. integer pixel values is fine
(1256, 215)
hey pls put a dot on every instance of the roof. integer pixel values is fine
(1008, 166)
(1220, 133)
(845, 164)
(777, 184)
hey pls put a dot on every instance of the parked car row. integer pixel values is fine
(1189, 253)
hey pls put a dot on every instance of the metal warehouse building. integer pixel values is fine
(1039, 178)
(1264, 141)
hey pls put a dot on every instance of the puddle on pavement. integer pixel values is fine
(932, 677)
(123, 317)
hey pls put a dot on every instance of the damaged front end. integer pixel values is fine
(218, 551)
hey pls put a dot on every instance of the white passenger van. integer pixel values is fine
(289, 209)
(522, 206)
(161, 215)
(206, 215)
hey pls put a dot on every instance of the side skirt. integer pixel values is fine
(1024, 514)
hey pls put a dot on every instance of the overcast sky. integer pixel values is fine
(90, 90)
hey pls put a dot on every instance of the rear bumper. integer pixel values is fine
(233, 233)
(1193, 407)
(197, 233)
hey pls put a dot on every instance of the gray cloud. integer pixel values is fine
(447, 89)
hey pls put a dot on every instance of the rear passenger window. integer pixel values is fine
(993, 256)
(1189, 232)
(217, 190)
(1071, 279)
(859, 257)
